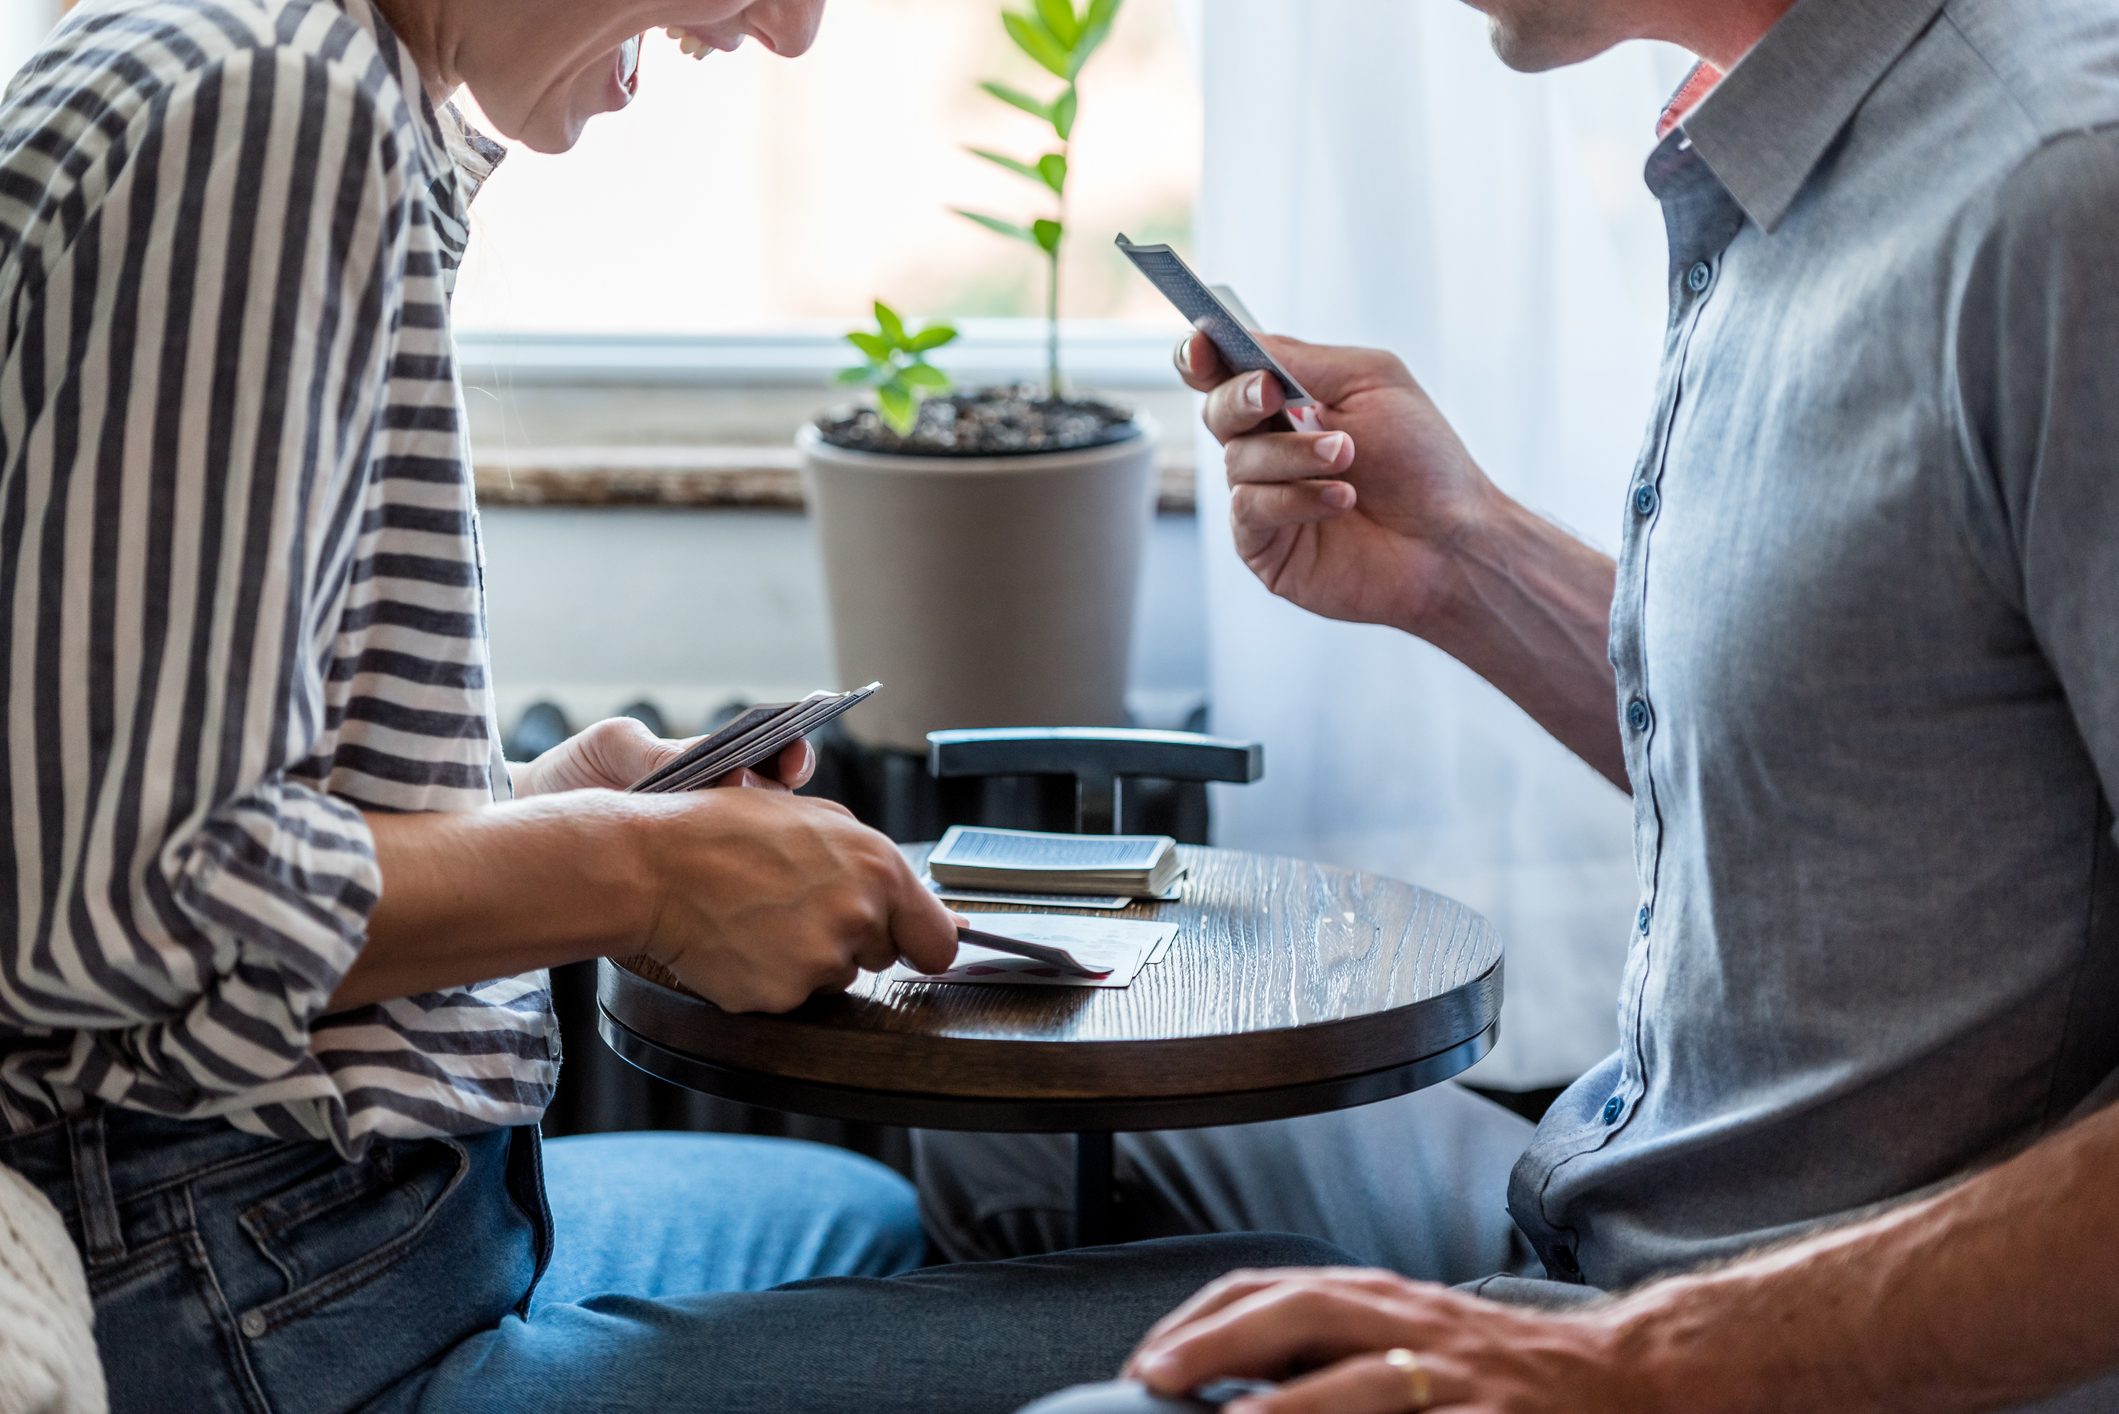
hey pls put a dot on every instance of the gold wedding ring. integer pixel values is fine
(1417, 1385)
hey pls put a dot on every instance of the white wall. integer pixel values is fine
(594, 608)
(22, 24)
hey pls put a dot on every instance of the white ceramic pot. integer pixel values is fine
(982, 592)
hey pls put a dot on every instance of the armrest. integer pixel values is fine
(1099, 759)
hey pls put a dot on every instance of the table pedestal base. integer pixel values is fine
(1095, 1174)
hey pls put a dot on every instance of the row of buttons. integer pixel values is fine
(1646, 501)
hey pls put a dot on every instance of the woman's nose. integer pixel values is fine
(788, 27)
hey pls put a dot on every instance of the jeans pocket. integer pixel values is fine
(332, 1232)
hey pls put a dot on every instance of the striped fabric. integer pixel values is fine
(240, 595)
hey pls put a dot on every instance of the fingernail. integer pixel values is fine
(1330, 449)
(1254, 393)
(1339, 497)
(1184, 354)
(1157, 1366)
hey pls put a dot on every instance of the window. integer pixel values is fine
(749, 197)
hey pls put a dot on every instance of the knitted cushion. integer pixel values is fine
(47, 1352)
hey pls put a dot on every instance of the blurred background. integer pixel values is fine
(646, 322)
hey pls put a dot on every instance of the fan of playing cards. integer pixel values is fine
(752, 739)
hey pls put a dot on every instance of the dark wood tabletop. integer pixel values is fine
(1291, 988)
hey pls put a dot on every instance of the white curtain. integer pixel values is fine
(1374, 175)
(22, 24)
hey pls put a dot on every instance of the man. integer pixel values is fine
(1862, 639)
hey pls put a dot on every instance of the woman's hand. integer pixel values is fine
(613, 754)
(760, 900)
(1328, 1332)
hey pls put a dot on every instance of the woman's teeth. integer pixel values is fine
(696, 47)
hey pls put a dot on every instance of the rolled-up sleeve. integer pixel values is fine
(203, 349)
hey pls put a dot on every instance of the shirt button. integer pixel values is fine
(1643, 917)
(1645, 501)
(1699, 277)
(1613, 1108)
(253, 1324)
(1637, 715)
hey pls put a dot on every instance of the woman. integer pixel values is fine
(273, 1033)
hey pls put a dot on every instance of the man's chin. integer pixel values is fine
(1540, 48)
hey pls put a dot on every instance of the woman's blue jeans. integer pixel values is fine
(488, 1273)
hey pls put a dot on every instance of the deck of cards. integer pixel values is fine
(752, 739)
(1214, 310)
(975, 864)
(1105, 952)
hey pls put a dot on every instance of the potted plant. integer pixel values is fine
(982, 549)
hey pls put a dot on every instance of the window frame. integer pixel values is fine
(1097, 355)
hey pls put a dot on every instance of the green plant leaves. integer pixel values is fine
(1016, 98)
(1095, 29)
(1062, 113)
(1060, 21)
(899, 406)
(1060, 36)
(1021, 169)
(897, 366)
(1031, 36)
(877, 347)
(891, 326)
(934, 336)
(995, 224)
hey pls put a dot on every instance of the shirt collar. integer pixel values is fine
(456, 157)
(1767, 125)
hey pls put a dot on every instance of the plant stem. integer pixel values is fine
(1052, 282)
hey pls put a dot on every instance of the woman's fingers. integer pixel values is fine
(1288, 456)
(922, 929)
(1364, 1384)
(798, 763)
(1266, 1334)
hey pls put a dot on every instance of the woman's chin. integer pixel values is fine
(553, 129)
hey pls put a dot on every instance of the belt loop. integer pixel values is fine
(100, 1232)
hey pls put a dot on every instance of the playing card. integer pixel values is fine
(752, 739)
(1123, 945)
(1212, 316)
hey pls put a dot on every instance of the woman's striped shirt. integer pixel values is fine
(240, 593)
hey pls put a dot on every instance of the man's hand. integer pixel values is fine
(1326, 1333)
(613, 754)
(1383, 518)
(1360, 521)
(761, 900)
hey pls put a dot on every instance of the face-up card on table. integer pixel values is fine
(752, 739)
(1121, 944)
(1208, 312)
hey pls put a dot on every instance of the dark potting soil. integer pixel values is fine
(986, 422)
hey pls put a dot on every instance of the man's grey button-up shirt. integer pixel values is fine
(1867, 639)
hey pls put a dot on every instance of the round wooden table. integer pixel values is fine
(1291, 988)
